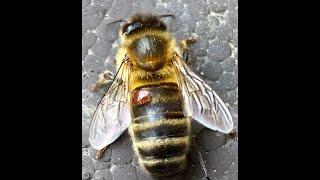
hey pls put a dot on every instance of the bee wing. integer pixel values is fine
(113, 115)
(200, 101)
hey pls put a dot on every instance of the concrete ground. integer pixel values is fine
(214, 57)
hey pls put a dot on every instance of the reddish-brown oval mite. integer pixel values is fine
(141, 97)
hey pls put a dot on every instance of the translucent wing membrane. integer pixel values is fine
(112, 116)
(201, 102)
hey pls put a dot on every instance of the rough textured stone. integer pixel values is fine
(218, 6)
(232, 96)
(124, 172)
(234, 40)
(211, 70)
(217, 139)
(85, 133)
(232, 15)
(89, 39)
(99, 48)
(91, 17)
(221, 159)
(219, 50)
(87, 167)
(224, 33)
(107, 32)
(228, 64)
(214, 57)
(213, 21)
(86, 174)
(120, 10)
(121, 150)
(98, 165)
(121, 156)
(104, 174)
(199, 48)
(105, 4)
(229, 81)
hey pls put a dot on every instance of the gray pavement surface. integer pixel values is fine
(214, 57)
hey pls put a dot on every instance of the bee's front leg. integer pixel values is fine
(103, 79)
(184, 44)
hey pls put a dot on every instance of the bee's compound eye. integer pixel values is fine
(130, 27)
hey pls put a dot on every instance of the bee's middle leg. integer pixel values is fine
(184, 44)
(103, 79)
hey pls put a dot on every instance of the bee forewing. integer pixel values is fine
(200, 101)
(112, 116)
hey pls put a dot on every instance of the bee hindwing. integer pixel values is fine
(113, 115)
(200, 101)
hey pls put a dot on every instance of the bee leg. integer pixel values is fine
(100, 153)
(231, 135)
(189, 41)
(103, 79)
(201, 161)
(184, 44)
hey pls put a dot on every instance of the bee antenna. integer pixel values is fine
(167, 15)
(117, 21)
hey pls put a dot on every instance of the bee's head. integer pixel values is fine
(142, 22)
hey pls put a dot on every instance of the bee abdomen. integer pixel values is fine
(165, 166)
(164, 138)
(160, 131)
(163, 152)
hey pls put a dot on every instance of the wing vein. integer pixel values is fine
(201, 102)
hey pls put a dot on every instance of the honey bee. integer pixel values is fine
(155, 95)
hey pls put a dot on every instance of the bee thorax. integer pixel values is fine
(149, 52)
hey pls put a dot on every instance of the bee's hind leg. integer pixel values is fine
(103, 79)
(184, 44)
(199, 155)
(231, 135)
(100, 152)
